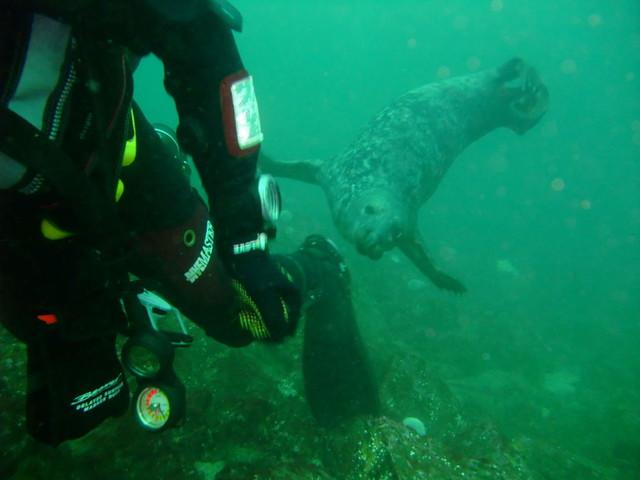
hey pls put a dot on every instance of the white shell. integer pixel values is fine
(416, 425)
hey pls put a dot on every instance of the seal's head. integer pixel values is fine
(526, 98)
(373, 220)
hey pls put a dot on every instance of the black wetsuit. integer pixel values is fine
(60, 291)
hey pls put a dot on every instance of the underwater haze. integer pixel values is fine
(542, 228)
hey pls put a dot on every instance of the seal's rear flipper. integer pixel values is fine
(303, 171)
(338, 380)
(414, 249)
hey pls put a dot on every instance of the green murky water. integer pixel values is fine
(539, 360)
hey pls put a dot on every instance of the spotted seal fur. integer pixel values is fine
(376, 186)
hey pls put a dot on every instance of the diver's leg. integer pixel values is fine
(72, 386)
(52, 298)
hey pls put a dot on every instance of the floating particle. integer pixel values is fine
(93, 86)
(557, 184)
(505, 266)
(448, 254)
(569, 66)
(460, 22)
(585, 204)
(286, 216)
(575, 20)
(395, 258)
(412, 42)
(497, 5)
(550, 129)
(416, 284)
(612, 243)
(498, 163)
(473, 63)
(594, 20)
(443, 72)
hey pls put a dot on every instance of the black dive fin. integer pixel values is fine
(338, 379)
(303, 171)
(413, 247)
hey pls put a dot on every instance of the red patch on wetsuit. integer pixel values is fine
(49, 318)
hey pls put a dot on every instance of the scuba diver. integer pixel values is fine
(90, 195)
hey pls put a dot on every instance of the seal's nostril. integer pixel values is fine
(369, 210)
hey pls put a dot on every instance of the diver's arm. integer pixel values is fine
(202, 64)
(199, 58)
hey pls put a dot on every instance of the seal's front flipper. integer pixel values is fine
(303, 170)
(338, 380)
(414, 249)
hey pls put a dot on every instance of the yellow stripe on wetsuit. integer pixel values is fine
(131, 147)
(249, 315)
(53, 232)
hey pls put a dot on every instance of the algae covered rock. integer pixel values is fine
(384, 449)
(410, 387)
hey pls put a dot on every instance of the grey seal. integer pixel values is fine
(376, 186)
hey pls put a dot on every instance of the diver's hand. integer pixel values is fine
(445, 282)
(271, 300)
